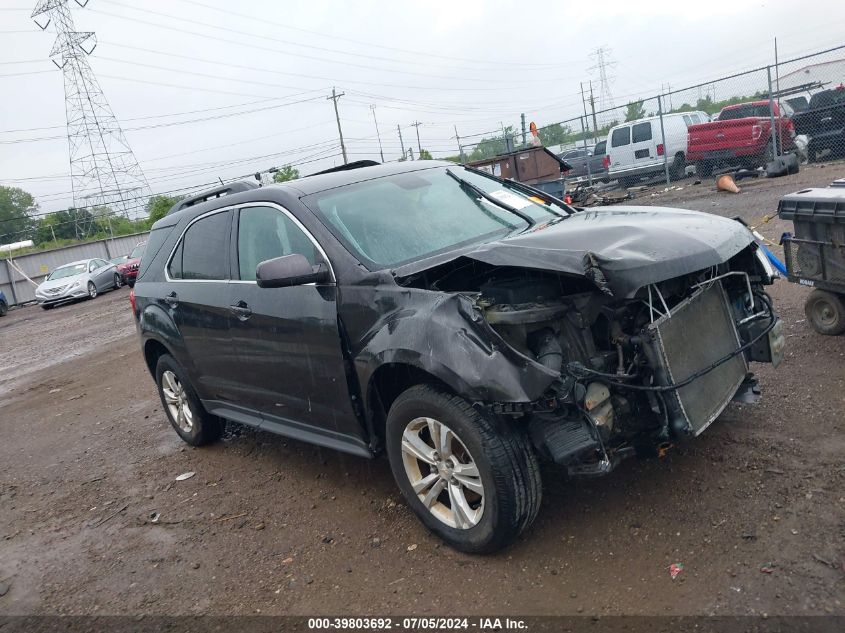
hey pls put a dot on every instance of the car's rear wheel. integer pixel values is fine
(825, 312)
(182, 407)
(118, 281)
(92, 290)
(471, 479)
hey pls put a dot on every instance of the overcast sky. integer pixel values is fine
(468, 63)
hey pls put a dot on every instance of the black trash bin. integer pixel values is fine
(815, 253)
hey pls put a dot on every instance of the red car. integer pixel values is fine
(129, 269)
(741, 135)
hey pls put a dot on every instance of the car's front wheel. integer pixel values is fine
(472, 480)
(118, 281)
(4, 308)
(182, 406)
(92, 290)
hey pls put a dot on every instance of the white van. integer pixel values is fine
(635, 148)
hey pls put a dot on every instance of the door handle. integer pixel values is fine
(241, 310)
(172, 299)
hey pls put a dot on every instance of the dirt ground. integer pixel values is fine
(754, 509)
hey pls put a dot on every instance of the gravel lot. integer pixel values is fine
(754, 509)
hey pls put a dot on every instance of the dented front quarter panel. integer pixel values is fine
(443, 334)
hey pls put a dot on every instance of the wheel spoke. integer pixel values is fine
(425, 482)
(445, 443)
(471, 483)
(170, 397)
(414, 445)
(465, 470)
(435, 491)
(460, 507)
(434, 429)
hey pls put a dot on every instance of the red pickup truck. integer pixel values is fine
(740, 136)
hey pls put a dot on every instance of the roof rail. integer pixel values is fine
(217, 192)
(357, 164)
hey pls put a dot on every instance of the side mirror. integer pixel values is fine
(290, 270)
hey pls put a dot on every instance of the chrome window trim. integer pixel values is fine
(244, 205)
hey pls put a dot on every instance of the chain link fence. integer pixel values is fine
(768, 118)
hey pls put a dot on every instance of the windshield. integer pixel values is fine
(68, 271)
(405, 217)
(138, 251)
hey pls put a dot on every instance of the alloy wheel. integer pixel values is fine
(92, 290)
(442, 473)
(177, 401)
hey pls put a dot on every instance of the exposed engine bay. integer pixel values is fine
(636, 374)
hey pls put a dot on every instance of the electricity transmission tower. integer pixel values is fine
(601, 55)
(104, 172)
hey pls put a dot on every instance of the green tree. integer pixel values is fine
(425, 155)
(288, 172)
(635, 111)
(158, 206)
(72, 224)
(15, 208)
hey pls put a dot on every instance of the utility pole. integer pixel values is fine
(380, 150)
(460, 147)
(417, 125)
(334, 99)
(522, 119)
(401, 142)
(595, 122)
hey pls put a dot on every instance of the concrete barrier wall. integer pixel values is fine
(38, 265)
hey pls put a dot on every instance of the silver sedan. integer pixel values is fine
(77, 280)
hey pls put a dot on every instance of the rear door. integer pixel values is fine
(104, 272)
(644, 143)
(290, 362)
(198, 275)
(619, 149)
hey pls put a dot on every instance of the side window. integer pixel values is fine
(92, 266)
(687, 120)
(203, 252)
(266, 233)
(641, 132)
(621, 136)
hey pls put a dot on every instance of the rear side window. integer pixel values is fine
(600, 148)
(203, 252)
(621, 136)
(641, 132)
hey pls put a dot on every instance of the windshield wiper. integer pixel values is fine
(486, 196)
(522, 187)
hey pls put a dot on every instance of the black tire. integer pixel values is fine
(4, 308)
(92, 290)
(704, 169)
(507, 468)
(678, 170)
(130, 282)
(47, 306)
(627, 181)
(205, 428)
(826, 312)
(118, 281)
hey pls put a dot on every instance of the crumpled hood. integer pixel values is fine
(626, 247)
(620, 249)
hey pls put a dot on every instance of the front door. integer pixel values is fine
(291, 367)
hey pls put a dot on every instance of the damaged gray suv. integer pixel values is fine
(467, 326)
